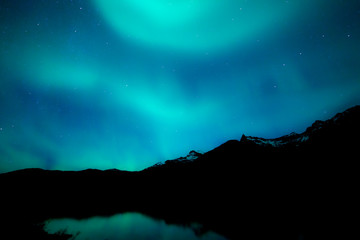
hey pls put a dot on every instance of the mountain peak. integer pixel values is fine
(321, 138)
(347, 120)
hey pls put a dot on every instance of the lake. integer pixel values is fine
(135, 226)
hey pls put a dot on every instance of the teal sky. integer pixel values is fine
(128, 83)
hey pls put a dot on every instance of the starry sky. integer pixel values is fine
(128, 83)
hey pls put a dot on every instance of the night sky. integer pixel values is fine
(128, 83)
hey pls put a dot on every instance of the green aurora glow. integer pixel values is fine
(125, 84)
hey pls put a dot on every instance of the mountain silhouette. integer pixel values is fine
(299, 186)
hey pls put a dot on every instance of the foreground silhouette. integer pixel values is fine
(299, 186)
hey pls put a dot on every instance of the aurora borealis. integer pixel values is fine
(127, 83)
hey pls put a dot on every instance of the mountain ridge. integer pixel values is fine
(293, 139)
(320, 136)
(296, 186)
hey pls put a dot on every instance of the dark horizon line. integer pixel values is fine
(135, 171)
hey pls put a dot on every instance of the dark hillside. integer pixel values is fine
(296, 186)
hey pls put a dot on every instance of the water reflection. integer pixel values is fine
(124, 226)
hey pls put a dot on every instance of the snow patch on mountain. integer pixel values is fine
(292, 138)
